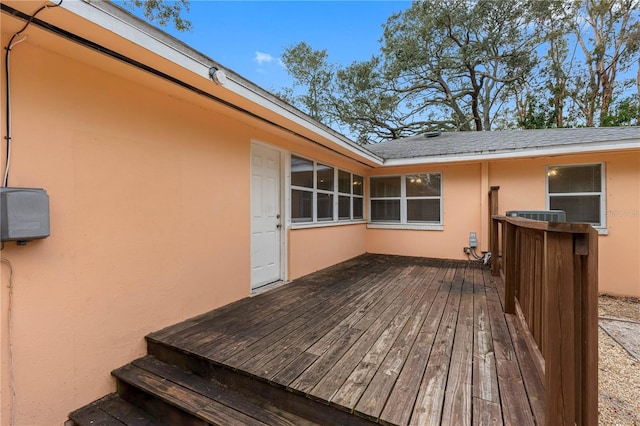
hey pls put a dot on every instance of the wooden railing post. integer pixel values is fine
(510, 265)
(558, 337)
(493, 231)
(587, 291)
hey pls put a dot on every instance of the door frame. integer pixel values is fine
(283, 178)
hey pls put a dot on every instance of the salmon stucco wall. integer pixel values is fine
(312, 249)
(461, 197)
(523, 187)
(147, 227)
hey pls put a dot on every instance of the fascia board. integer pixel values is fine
(513, 154)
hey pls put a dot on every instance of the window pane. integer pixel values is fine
(358, 208)
(325, 177)
(579, 208)
(325, 206)
(301, 172)
(344, 182)
(575, 179)
(423, 210)
(357, 184)
(423, 185)
(301, 206)
(344, 207)
(385, 210)
(385, 187)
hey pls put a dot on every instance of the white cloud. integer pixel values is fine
(262, 58)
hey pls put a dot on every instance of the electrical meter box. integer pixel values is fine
(24, 214)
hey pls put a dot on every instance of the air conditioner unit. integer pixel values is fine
(543, 215)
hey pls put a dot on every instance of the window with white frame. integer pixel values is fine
(323, 193)
(406, 199)
(579, 191)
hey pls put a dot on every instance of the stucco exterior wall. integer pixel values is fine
(149, 226)
(461, 197)
(523, 187)
(313, 249)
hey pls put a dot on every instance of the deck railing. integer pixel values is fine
(551, 281)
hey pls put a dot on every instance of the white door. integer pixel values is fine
(266, 222)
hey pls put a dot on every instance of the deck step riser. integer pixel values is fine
(292, 402)
(170, 414)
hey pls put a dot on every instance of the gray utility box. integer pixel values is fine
(24, 214)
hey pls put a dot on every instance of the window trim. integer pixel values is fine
(404, 223)
(335, 193)
(602, 227)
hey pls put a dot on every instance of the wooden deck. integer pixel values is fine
(390, 339)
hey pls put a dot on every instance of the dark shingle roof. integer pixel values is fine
(499, 142)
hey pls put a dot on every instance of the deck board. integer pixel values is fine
(397, 340)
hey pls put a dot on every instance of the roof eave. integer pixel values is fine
(122, 23)
(517, 153)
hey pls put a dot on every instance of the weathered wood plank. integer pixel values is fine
(259, 410)
(94, 415)
(127, 413)
(323, 335)
(253, 309)
(430, 400)
(531, 378)
(485, 378)
(355, 384)
(516, 409)
(196, 404)
(486, 413)
(457, 407)
(399, 406)
(376, 394)
(330, 351)
(298, 334)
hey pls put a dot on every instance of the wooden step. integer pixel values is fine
(179, 397)
(251, 386)
(113, 411)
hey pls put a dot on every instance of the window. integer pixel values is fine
(406, 199)
(579, 191)
(323, 193)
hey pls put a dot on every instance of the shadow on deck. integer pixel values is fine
(376, 339)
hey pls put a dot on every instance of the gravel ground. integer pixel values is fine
(619, 372)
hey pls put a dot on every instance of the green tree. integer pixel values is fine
(460, 56)
(538, 114)
(368, 103)
(312, 77)
(607, 40)
(162, 12)
(625, 112)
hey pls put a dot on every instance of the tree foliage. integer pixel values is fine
(163, 12)
(459, 56)
(311, 70)
(471, 65)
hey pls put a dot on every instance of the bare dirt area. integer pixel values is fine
(619, 370)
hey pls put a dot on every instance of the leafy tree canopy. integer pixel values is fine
(163, 12)
(477, 65)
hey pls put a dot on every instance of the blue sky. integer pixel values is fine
(249, 36)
